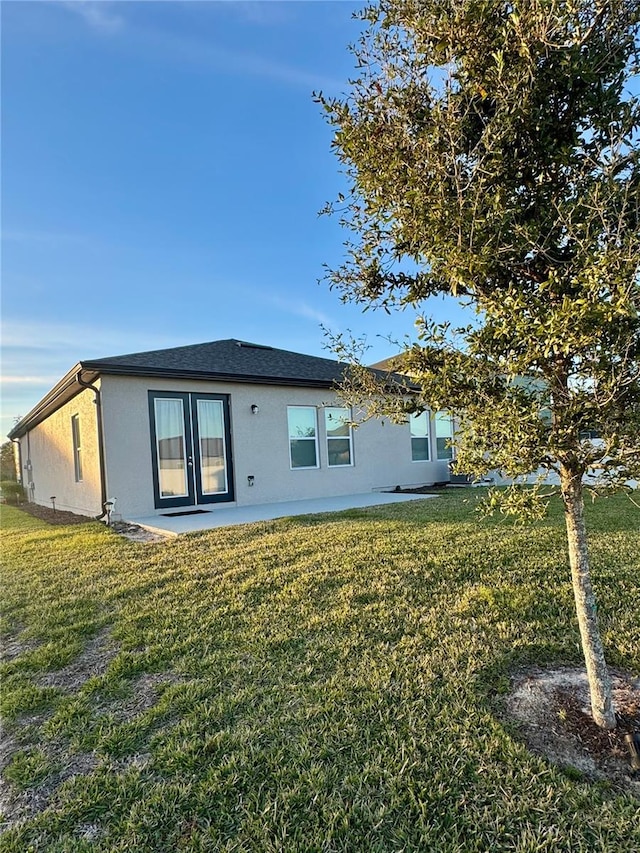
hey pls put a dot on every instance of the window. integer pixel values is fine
(303, 436)
(589, 434)
(339, 449)
(77, 447)
(419, 424)
(444, 435)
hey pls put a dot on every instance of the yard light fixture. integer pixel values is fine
(53, 502)
(633, 742)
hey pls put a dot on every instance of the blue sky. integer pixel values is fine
(163, 169)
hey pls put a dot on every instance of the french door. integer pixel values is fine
(190, 448)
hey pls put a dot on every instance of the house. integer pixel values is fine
(226, 422)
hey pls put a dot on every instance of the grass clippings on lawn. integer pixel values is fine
(328, 683)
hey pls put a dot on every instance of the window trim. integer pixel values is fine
(427, 415)
(291, 438)
(76, 438)
(330, 438)
(450, 437)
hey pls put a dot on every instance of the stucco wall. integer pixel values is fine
(48, 459)
(260, 446)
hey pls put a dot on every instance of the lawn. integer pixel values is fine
(324, 683)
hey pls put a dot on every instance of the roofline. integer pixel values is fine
(54, 399)
(69, 387)
(213, 376)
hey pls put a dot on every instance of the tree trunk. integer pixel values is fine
(597, 672)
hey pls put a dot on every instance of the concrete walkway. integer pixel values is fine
(223, 516)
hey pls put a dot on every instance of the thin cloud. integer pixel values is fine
(28, 380)
(204, 53)
(261, 13)
(97, 14)
(208, 55)
(36, 355)
(38, 347)
(299, 308)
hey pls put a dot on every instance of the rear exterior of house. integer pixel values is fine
(226, 423)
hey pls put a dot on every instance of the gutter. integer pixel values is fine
(103, 474)
(180, 373)
(49, 403)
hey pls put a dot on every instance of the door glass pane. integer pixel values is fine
(213, 465)
(172, 468)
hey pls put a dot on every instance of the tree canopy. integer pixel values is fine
(7, 461)
(492, 154)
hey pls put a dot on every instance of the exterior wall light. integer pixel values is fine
(251, 479)
(255, 409)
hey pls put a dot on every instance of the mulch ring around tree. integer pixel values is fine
(552, 710)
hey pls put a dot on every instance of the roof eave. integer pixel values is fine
(68, 387)
(62, 392)
(211, 376)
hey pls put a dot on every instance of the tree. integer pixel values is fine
(491, 150)
(8, 461)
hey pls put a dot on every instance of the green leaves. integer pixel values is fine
(495, 148)
(522, 502)
(494, 155)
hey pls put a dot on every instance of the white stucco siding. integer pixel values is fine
(259, 446)
(49, 463)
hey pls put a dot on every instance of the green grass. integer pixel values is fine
(329, 683)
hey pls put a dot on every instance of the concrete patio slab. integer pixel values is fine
(230, 516)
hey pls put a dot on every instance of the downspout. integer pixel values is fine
(103, 475)
(31, 494)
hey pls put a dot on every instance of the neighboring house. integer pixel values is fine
(216, 423)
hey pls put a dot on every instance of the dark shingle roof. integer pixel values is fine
(231, 360)
(225, 361)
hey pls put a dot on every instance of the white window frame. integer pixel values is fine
(304, 438)
(76, 438)
(439, 417)
(349, 436)
(413, 418)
